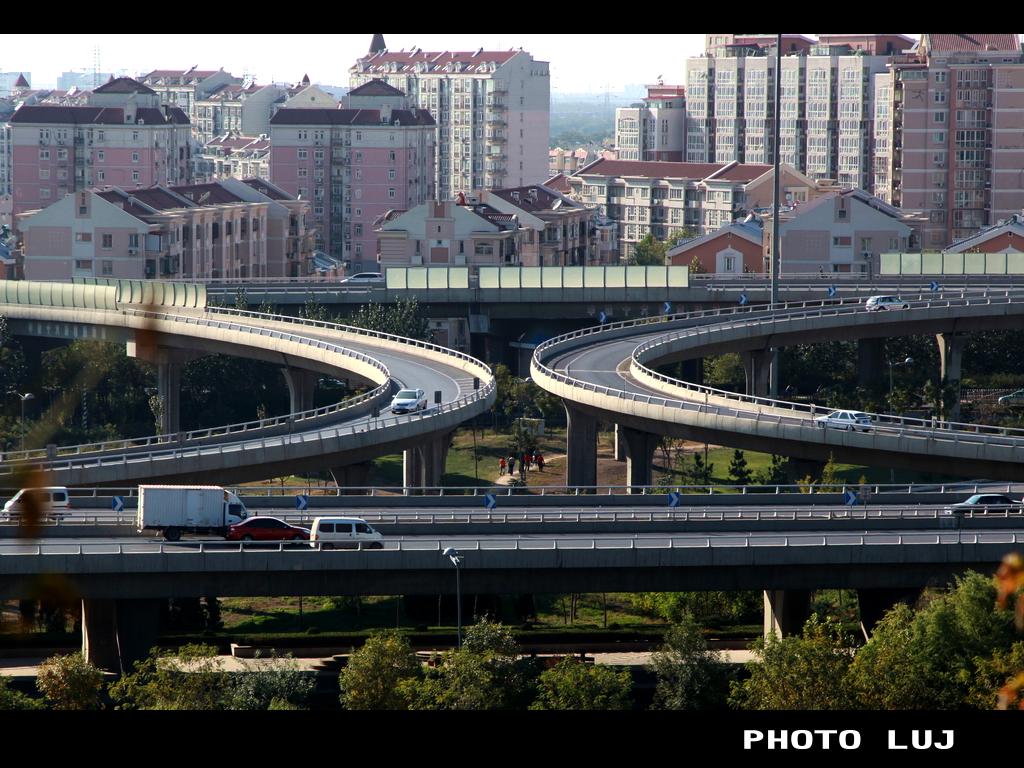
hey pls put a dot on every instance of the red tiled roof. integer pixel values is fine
(559, 183)
(544, 200)
(123, 85)
(966, 43)
(60, 114)
(207, 194)
(651, 169)
(743, 172)
(21, 82)
(376, 88)
(349, 117)
(267, 189)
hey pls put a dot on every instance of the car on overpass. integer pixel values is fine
(408, 400)
(364, 278)
(884, 303)
(981, 503)
(261, 528)
(52, 503)
(848, 420)
(1014, 398)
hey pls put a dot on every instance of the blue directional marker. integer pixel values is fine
(490, 500)
(743, 299)
(602, 317)
(850, 498)
(117, 503)
(301, 502)
(832, 291)
(667, 308)
(673, 499)
(935, 286)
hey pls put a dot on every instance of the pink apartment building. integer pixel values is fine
(184, 232)
(949, 136)
(123, 137)
(372, 154)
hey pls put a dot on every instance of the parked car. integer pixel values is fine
(52, 501)
(409, 400)
(1014, 398)
(344, 533)
(848, 420)
(880, 303)
(364, 278)
(260, 528)
(980, 503)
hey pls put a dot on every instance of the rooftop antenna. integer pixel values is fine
(96, 67)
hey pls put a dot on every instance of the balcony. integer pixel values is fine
(493, 118)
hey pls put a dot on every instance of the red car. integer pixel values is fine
(261, 528)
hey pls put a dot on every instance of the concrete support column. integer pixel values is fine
(352, 476)
(168, 384)
(693, 370)
(620, 444)
(118, 633)
(951, 352)
(874, 603)
(871, 368)
(424, 464)
(640, 448)
(581, 447)
(757, 371)
(786, 611)
(301, 387)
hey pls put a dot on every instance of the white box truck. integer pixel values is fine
(176, 509)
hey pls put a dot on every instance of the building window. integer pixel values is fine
(303, 154)
(108, 267)
(108, 242)
(391, 192)
(391, 175)
(133, 241)
(44, 173)
(135, 176)
(135, 157)
(391, 157)
(44, 193)
(303, 173)
(83, 263)
(83, 237)
(100, 136)
(101, 155)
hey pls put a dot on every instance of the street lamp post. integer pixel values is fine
(908, 362)
(453, 554)
(24, 397)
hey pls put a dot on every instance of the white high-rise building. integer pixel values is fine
(655, 129)
(492, 110)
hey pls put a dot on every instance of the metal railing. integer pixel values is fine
(621, 542)
(180, 450)
(745, 317)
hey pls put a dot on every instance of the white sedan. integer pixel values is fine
(880, 303)
(848, 420)
(409, 400)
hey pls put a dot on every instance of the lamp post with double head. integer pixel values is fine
(895, 364)
(24, 397)
(456, 557)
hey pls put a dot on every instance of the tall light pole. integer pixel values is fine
(908, 362)
(776, 250)
(453, 554)
(24, 397)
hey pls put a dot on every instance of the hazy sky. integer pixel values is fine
(578, 62)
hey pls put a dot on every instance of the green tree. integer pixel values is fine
(724, 372)
(677, 236)
(804, 671)
(375, 673)
(648, 252)
(571, 684)
(484, 674)
(162, 682)
(831, 482)
(314, 310)
(276, 683)
(935, 657)
(697, 472)
(403, 318)
(696, 267)
(690, 676)
(12, 360)
(775, 474)
(70, 682)
(738, 471)
(11, 699)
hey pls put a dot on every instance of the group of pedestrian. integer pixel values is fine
(527, 461)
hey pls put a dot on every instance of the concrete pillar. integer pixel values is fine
(693, 370)
(118, 633)
(581, 447)
(424, 464)
(874, 603)
(786, 611)
(951, 352)
(301, 387)
(871, 368)
(168, 384)
(352, 476)
(757, 371)
(620, 444)
(640, 448)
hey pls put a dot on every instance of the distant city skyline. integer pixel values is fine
(579, 63)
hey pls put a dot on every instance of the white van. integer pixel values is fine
(344, 533)
(53, 501)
